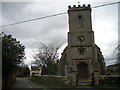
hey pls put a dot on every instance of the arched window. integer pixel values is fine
(80, 21)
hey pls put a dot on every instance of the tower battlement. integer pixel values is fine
(74, 7)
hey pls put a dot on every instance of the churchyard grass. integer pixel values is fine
(48, 85)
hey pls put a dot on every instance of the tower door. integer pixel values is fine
(82, 69)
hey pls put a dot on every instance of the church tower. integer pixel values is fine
(82, 58)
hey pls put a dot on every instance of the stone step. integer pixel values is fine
(84, 82)
(84, 87)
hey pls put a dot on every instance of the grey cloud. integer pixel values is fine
(54, 28)
(38, 26)
(12, 10)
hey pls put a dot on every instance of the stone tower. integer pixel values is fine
(82, 58)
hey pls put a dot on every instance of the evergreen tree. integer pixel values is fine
(12, 54)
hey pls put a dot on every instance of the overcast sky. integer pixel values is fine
(104, 24)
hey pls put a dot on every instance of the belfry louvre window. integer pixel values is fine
(80, 21)
(81, 50)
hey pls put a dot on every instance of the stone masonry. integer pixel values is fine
(82, 59)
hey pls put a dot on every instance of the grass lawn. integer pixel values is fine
(48, 85)
(51, 85)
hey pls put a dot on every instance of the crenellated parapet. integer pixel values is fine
(74, 7)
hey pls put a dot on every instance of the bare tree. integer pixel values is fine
(47, 57)
(117, 53)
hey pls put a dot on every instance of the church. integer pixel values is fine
(82, 59)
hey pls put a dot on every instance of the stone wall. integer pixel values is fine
(7, 81)
(55, 80)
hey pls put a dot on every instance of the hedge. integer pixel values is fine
(111, 80)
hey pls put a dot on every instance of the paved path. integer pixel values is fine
(25, 83)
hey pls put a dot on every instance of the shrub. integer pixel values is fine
(110, 81)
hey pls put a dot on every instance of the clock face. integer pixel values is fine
(81, 38)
